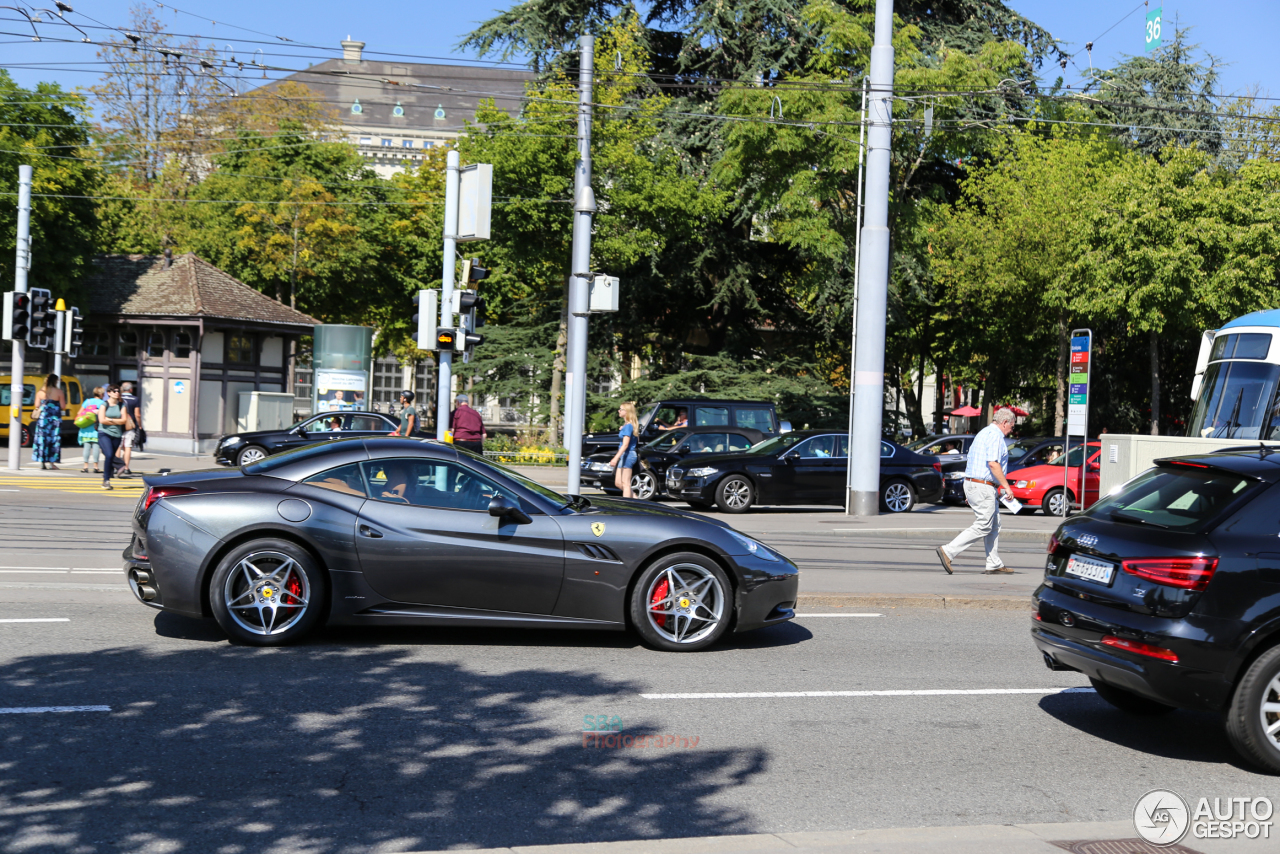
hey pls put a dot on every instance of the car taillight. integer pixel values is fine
(155, 493)
(1186, 573)
(1141, 648)
(1053, 543)
(938, 468)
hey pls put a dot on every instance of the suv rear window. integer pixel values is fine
(754, 419)
(1179, 497)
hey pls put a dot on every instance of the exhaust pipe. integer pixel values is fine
(139, 576)
(146, 592)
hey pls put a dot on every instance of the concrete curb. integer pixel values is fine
(938, 533)
(811, 601)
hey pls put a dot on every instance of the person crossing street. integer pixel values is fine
(988, 458)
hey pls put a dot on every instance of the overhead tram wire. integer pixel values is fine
(508, 200)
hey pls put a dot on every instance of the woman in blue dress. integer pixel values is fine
(626, 459)
(46, 443)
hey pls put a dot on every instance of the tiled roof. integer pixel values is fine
(138, 285)
(456, 89)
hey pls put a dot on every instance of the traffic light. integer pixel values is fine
(17, 316)
(73, 332)
(427, 319)
(446, 338)
(41, 336)
(468, 306)
(472, 272)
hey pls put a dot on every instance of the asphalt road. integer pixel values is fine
(417, 739)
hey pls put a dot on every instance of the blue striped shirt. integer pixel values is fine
(988, 447)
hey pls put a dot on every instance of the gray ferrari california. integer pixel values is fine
(407, 532)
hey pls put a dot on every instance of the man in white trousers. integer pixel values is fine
(988, 458)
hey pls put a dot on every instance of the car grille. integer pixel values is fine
(675, 475)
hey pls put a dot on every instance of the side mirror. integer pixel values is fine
(790, 459)
(502, 507)
(784, 427)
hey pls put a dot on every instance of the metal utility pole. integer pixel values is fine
(23, 263)
(59, 337)
(448, 271)
(857, 257)
(584, 206)
(873, 279)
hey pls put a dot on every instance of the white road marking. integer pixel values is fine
(806, 616)
(942, 692)
(40, 620)
(37, 710)
(20, 570)
(121, 571)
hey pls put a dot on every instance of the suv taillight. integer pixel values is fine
(155, 493)
(938, 468)
(1187, 573)
(1053, 543)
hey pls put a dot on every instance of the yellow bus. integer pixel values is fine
(72, 392)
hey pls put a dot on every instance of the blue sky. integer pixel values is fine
(1238, 31)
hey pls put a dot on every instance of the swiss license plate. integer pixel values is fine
(1090, 569)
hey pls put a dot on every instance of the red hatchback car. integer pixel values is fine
(1041, 486)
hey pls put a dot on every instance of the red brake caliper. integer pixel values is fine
(295, 587)
(659, 593)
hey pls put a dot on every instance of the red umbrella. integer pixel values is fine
(1016, 410)
(967, 412)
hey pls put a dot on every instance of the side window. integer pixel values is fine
(368, 423)
(842, 446)
(886, 450)
(28, 395)
(819, 447)
(342, 479)
(323, 424)
(738, 442)
(668, 441)
(431, 483)
(711, 416)
(706, 443)
(73, 392)
(754, 419)
(666, 416)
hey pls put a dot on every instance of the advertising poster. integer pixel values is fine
(340, 391)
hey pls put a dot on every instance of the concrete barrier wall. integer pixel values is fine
(1124, 457)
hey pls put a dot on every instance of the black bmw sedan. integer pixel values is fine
(244, 448)
(1167, 595)
(665, 451)
(805, 467)
(398, 531)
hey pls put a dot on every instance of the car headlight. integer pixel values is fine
(1025, 484)
(601, 467)
(955, 475)
(1020, 484)
(755, 548)
(705, 471)
(230, 440)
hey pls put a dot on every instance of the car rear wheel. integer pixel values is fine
(267, 593)
(1127, 701)
(682, 603)
(1253, 721)
(644, 485)
(735, 494)
(898, 496)
(1052, 503)
(249, 455)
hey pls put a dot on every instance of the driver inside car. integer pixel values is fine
(397, 481)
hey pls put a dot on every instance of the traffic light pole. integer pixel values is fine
(584, 206)
(873, 279)
(60, 337)
(448, 270)
(23, 263)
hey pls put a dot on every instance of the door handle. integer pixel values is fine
(371, 533)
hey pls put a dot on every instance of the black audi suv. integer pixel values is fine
(1166, 595)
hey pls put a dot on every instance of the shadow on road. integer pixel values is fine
(1185, 735)
(326, 747)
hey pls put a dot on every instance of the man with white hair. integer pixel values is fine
(988, 458)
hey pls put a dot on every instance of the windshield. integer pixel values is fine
(647, 416)
(1074, 457)
(527, 483)
(667, 441)
(1237, 401)
(776, 445)
(920, 443)
(1018, 450)
(1178, 497)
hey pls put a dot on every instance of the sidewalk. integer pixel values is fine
(1111, 837)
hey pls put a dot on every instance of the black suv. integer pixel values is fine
(751, 414)
(1167, 595)
(669, 448)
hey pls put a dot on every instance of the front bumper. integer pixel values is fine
(767, 591)
(226, 455)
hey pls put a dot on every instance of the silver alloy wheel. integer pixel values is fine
(643, 485)
(897, 497)
(1269, 710)
(267, 593)
(1055, 503)
(251, 455)
(693, 595)
(737, 494)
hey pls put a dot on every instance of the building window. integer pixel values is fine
(240, 348)
(97, 342)
(407, 143)
(428, 144)
(366, 140)
(182, 344)
(127, 344)
(397, 110)
(155, 344)
(439, 111)
(386, 143)
(356, 108)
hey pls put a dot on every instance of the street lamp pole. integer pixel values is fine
(584, 207)
(23, 263)
(873, 279)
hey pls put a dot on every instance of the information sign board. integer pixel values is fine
(1153, 28)
(1078, 393)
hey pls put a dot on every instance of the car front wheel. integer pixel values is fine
(267, 593)
(644, 485)
(250, 455)
(898, 496)
(682, 603)
(735, 494)
(1053, 502)
(1253, 721)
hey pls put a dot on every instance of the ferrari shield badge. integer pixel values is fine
(597, 528)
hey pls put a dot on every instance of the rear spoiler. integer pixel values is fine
(1197, 463)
